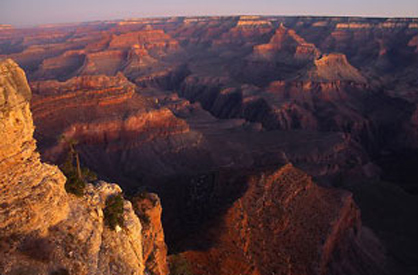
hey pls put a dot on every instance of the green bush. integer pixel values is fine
(113, 212)
(74, 185)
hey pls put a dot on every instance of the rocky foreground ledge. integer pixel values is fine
(44, 230)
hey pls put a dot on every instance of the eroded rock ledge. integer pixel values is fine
(32, 195)
(44, 230)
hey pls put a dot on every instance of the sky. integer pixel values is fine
(34, 12)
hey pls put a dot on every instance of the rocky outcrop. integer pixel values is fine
(148, 208)
(334, 67)
(81, 243)
(32, 195)
(286, 224)
(44, 230)
(285, 46)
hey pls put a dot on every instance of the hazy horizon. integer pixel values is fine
(27, 13)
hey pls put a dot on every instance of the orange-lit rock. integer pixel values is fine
(287, 41)
(148, 208)
(151, 40)
(334, 67)
(32, 195)
(42, 228)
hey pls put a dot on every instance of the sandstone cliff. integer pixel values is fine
(44, 230)
(32, 195)
(148, 208)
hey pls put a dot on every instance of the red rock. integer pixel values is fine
(334, 67)
(148, 208)
(105, 62)
(156, 40)
(286, 40)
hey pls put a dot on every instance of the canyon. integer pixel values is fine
(276, 145)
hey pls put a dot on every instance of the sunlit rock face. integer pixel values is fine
(148, 208)
(42, 228)
(32, 193)
(81, 243)
(334, 67)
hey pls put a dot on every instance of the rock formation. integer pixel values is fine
(32, 193)
(284, 45)
(148, 208)
(334, 67)
(43, 229)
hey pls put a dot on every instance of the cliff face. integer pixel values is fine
(148, 208)
(32, 195)
(43, 230)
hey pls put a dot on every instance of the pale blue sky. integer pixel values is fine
(30, 12)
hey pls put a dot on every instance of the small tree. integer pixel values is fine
(76, 176)
(113, 212)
